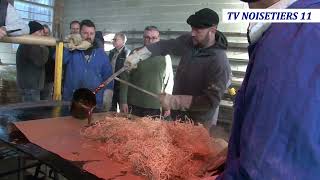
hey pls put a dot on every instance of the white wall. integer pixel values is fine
(128, 15)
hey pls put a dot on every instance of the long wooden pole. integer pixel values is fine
(137, 88)
(29, 39)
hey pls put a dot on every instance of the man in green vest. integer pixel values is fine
(154, 75)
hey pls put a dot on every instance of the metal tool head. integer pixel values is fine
(83, 103)
(84, 100)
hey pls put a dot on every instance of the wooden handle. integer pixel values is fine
(29, 39)
(138, 88)
(107, 81)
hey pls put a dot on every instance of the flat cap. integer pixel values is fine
(203, 18)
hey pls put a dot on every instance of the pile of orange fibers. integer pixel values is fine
(155, 149)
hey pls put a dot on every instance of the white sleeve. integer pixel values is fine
(168, 79)
(13, 21)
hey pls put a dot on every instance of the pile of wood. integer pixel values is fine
(155, 148)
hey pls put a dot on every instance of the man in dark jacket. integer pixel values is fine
(99, 40)
(31, 60)
(203, 73)
(117, 57)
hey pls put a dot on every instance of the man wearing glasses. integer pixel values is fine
(154, 75)
(117, 57)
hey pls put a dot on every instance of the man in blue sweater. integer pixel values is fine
(87, 66)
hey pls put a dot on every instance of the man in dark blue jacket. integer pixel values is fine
(87, 67)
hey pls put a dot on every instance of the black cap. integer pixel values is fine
(34, 26)
(203, 18)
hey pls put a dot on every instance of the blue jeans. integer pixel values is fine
(29, 95)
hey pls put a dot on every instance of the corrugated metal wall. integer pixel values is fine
(129, 15)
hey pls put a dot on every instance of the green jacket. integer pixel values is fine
(155, 75)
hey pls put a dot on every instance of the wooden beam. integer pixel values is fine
(58, 73)
(57, 24)
(30, 39)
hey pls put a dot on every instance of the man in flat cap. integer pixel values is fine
(203, 72)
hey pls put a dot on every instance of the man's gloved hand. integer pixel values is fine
(75, 39)
(84, 45)
(132, 61)
(3, 32)
(124, 108)
(107, 99)
(137, 56)
(166, 113)
(175, 102)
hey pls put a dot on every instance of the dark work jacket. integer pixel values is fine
(119, 63)
(202, 73)
(98, 40)
(50, 66)
(31, 60)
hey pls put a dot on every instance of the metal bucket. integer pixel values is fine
(84, 100)
(83, 103)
